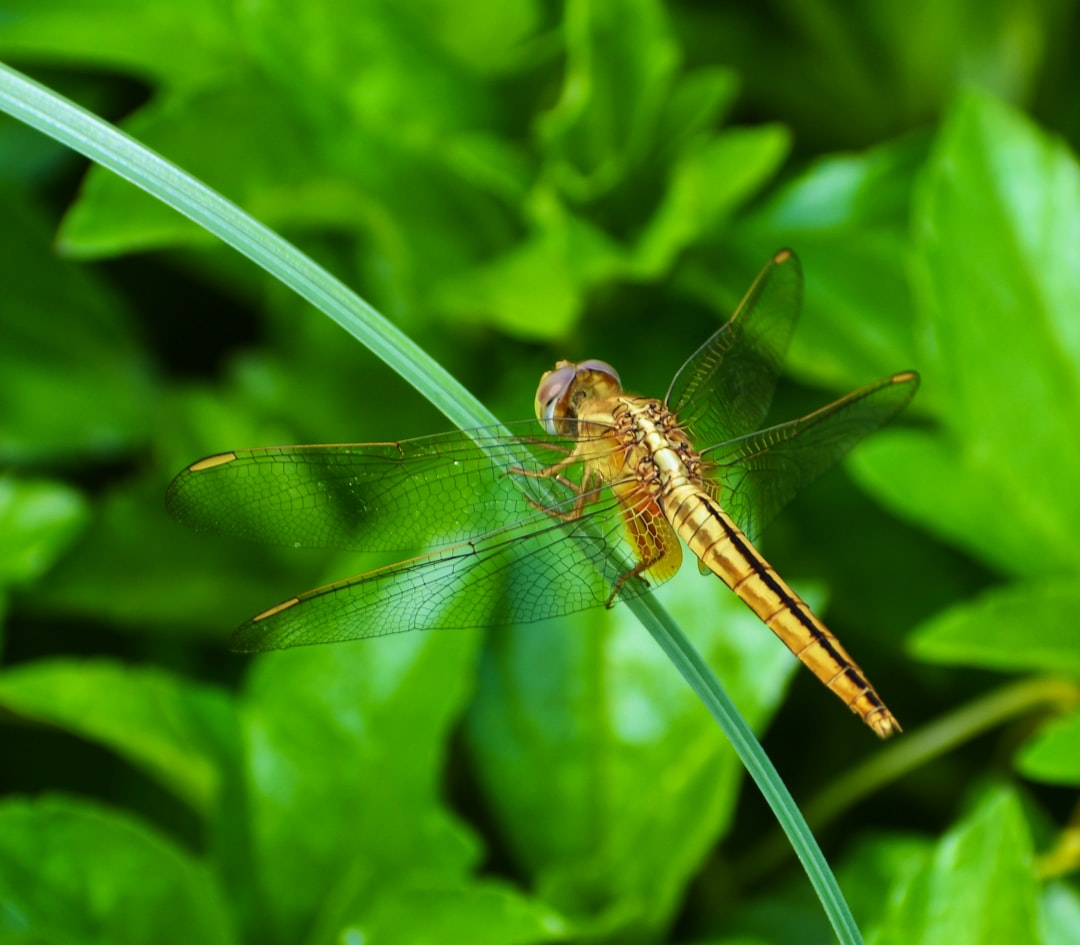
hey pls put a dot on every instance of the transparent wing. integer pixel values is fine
(370, 496)
(537, 568)
(758, 474)
(506, 555)
(726, 387)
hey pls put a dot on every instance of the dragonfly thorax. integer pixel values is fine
(656, 447)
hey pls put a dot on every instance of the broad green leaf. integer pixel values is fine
(177, 731)
(333, 118)
(876, 864)
(1060, 915)
(264, 168)
(699, 101)
(67, 344)
(708, 182)
(424, 221)
(621, 63)
(848, 216)
(480, 913)
(72, 872)
(538, 289)
(491, 165)
(844, 76)
(1025, 626)
(959, 483)
(174, 581)
(344, 749)
(997, 248)
(137, 36)
(374, 52)
(38, 521)
(978, 886)
(396, 69)
(873, 865)
(607, 779)
(492, 43)
(1053, 754)
(970, 41)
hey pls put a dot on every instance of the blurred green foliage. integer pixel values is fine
(514, 183)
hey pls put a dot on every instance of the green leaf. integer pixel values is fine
(978, 886)
(707, 184)
(177, 731)
(1060, 915)
(38, 521)
(621, 62)
(379, 712)
(997, 249)
(136, 36)
(699, 101)
(58, 314)
(493, 43)
(267, 148)
(538, 289)
(876, 863)
(1024, 626)
(1053, 754)
(845, 76)
(72, 872)
(480, 913)
(377, 157)
(175, 580)
(849, 218)
(608, 782)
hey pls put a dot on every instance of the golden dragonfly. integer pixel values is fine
(522, 526)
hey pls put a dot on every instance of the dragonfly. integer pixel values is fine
(515, 524)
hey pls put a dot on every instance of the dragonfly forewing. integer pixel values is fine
(398, 496)
(512, 546)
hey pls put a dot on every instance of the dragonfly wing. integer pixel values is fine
(537, 568)
(371, 496)
(726, 387)
(758, 474)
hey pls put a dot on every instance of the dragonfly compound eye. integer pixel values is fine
(552, 393)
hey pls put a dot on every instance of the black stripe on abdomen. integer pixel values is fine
(741, 544)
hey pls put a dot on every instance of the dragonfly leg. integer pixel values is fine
(552, 471)
(554, 447)
(586, 492)
(655, 545)
(636, 571)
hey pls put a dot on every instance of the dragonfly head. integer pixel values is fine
(563, 390)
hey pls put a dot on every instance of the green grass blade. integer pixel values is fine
(83, 132)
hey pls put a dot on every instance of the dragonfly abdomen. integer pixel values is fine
(722, 548)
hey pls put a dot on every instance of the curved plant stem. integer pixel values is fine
(1016, 700)
(1013, 701)
(44, 110)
